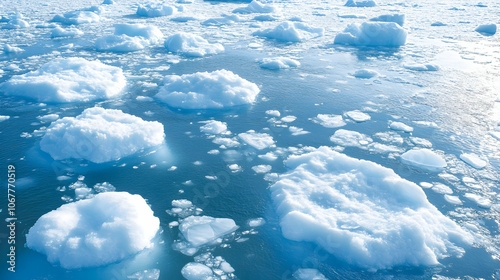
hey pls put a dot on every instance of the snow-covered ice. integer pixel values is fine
(397, 18)
(213, 127)
(308, 274)
(473, 160)
(385, 34)
(68, 32)
(362, 212)
(155, 9)
(275, 63)
(207, 90)
(399, 126)
(424, 159)
(361, 3)
(100, 135)
(129, 37)
(349, 138)
(358, 116)
(68, 80)
(257, 140)
(191, 45)
(73, 236)
(197, 271)
(291, 32)
(329, 120)
(256, 7)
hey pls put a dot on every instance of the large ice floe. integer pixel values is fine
(68, 80)
(256, 7)
(385, 34)
(191, 45)
(291, 32)
(207, 90)
(104, 229)
(153, 9)
(100, 135)
(362, 212)
(129, 37)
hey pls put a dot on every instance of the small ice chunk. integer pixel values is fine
(104, 187)
(365, 74)
(487, 29)
(288, 119)
(4, 118)
(358, 116)
(441, 188)
(275, 63)
(424, 159)
(400, 127)
(213, 127)
(148, 274)
(259, 141)
(349, 138)
(262, 168)
(297, 131)
(191, 45)
(308, 274)
(68, 32)
(422, 67)
(329, 120)
(269, 156)
(257, 222)
(197, 271)
(182, 203)
(129, 38)
(455, 200)
(421, 142)
(77, 17)
(386, 34)
(291, 32)
(473, 160)
(207, 90)
(48, 118)
(201, 230)
(155, 10)
(481, 201)
(273, 113)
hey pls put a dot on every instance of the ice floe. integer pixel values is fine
(256, 7)
(68, 80)
(275, 63)
(362, 212)
(68, 32)
(291, 32)
(329, 120)
(424, 159)
(397, 18)
(257, 140)
(386, 34)
(93, 232)
(191, 45)
(487, 29)
(155, 9)
(129, 37)
(473, 160)
(207, 90)
(214, 127)
(100, 135)
(77, 17)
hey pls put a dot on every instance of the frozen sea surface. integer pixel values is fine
(288, 89)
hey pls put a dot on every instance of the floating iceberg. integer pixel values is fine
(129, 37)
(424, 159)
(386, 34)
(256, 7)
(397, 18)
(207, 90)
(291, 32)
(275, 63)
(100, 135)
(155, 10)
(104, 229)
(68, 80)
(191, 45)
(362, 212)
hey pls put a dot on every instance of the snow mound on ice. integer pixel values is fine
(155, 10)
(207, 90)
(100, 135)
(191, 45)
(291, 32)
(275, 63)
(68, 32)
(362, 212)
(364, 3)
(68, 80)
(256, 7)
(129, 37)
(77, 17)
(386, 34)
(94, 232)
(424, 159)
(487, 29)
(397, 18)
(16, 22)
(259, 141)
(202, 230)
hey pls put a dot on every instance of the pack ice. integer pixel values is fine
(362, 212)
(68, 80)
(100, 135)
(207, 90)
(93, 232)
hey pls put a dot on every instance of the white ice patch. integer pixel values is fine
(362, 212)
(358, 116)
(191, 45)
(291, 32)
(473, 160)
(129, 37)
(207, 90)
(297, 131)
(259, 141)
(155, 10)
(94, 232)
(276, 63)
(329, 120)
(349, 138)
(197, 271)
(16, 21)
(77, 17)
(424, 159)
(422, 67)
(308, 274)
(8, 49)
(365, 74)
(400, 127)
(481, 201)
(362, 3)
(68, 32)
(214, 127)
(273, 113)
(262, 168)
(397, 18)
(257, 222)
(256, 7)
(224, 20)
(100, 135)
(68, 80)
(387, 34)
(4, 118)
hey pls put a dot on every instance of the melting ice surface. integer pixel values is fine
(252, 140)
